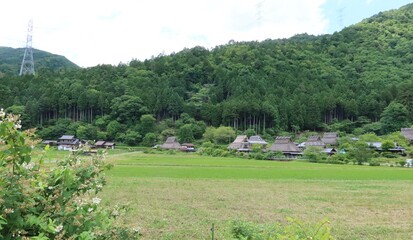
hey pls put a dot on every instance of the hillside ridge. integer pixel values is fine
(11, 58)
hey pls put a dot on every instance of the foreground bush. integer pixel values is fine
(51, 202)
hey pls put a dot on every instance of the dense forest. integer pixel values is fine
(11, 59)
(359, 78)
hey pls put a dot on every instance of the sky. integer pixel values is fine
(92, 32)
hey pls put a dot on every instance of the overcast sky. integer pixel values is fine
(92, 32)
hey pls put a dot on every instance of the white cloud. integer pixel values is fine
(107, 31)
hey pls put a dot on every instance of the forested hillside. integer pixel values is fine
(11, 59)
(350, 79)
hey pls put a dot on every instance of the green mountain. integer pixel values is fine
(11, 59)
(348, 80)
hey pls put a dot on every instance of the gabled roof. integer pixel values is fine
(407, 133)
(67, 137)
(330, 138)
(171, 140)
(257, 140)
(282, 140)
(284, 145)
(99, 143)
(315, 141)
(314, 138)
(171, 143)
(330, 135)
(50, 142)
(239, 142)
(329, 150)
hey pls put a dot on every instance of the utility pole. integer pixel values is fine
(27, 66)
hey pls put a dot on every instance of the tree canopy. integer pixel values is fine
(356, 76)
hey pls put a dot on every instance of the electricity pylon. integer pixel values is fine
(27, 66)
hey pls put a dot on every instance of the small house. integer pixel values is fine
(99, 144)
(397, 149)
(67, 142)
(104, 144)
(240, 144)
(286, 146)
(187, 147)
(171, 143)
(330, 138)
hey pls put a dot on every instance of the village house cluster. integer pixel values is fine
(242, 143)
(327, 144)
(70, 142)
(285, 145)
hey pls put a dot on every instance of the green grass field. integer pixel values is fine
(180, 196)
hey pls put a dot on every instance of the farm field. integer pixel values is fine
(180, 196)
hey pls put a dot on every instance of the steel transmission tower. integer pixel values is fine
(27, 66)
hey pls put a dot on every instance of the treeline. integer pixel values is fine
(302, 83)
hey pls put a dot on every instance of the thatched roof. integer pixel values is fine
(240, 143)
(407, 133)
(284, 145)
(171, 143)
(330, 138)
(315, 141)
(315, 138)
(257, 140)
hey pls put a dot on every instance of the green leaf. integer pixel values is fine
(3, 221)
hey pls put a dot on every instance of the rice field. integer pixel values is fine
(180, 196)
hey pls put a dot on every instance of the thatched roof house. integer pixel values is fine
(171, 143)
(330, 138)
(286, 146)
(257, 140)
(408, 134)
(240, 144)
(315, 141)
